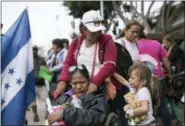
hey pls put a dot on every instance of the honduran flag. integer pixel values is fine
(17, 85)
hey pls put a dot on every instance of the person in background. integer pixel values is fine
(175, 54)
(155, 49)
(128, 39)
(57, 61)
(50, 55)
(66, 43)
(40, 87)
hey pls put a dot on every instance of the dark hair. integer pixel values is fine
(141, 33)
(58, 42)
(35, 48)
(80, 27)
(83, 71)
(128, 26)
(65, 41)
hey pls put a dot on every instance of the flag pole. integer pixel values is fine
(101, 9)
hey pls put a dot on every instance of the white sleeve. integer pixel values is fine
(131, 89)
(144, 95)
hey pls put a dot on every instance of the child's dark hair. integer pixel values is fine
(83, 71)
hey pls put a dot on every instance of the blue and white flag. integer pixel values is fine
(18, 89)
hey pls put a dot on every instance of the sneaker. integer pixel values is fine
(36, 118)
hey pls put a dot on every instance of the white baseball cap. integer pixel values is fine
(88, 21)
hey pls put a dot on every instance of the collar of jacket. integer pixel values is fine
(102, 41)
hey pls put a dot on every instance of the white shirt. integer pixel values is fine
(143, 94)
(86, 56)
(60, 58)
(132, 49)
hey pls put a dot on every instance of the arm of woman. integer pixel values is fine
(121, 79)
(109, 64)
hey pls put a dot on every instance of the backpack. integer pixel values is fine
(124, 60)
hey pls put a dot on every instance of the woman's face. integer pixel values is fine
(92, 36)
(132, 33)
(79, 83)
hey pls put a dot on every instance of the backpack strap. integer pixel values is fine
(123, 42)
(77, 51)
(103, 50)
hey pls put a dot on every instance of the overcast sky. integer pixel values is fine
(42, 15)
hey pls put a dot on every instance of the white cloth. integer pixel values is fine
(146, 57)
(143, 94)
(132, 49)
(182, 99)
(86, 56)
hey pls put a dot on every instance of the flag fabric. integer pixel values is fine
(17, 85)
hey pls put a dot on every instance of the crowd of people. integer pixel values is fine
(88, 83)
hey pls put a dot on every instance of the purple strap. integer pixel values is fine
(69, 92)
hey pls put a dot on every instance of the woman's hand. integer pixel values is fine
(61, 86)
(108, 80)
(92, 87)
(54, 116)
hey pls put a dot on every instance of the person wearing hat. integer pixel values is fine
(92, 48)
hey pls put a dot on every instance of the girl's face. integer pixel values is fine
(79, 83)
(132, 33)
(134, 80)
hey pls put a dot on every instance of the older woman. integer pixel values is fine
(93, 108)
